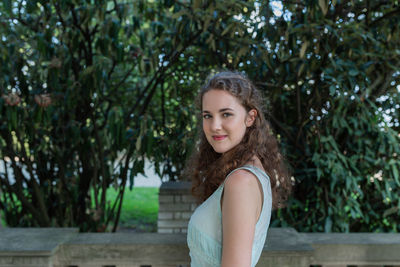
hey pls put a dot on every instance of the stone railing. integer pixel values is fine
(52, 247)
(65, 247)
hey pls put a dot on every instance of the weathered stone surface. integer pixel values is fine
(165, 215)
(31, 247)
(174, 207)
(165, 230)
(113, 254)
(352, 238)
(127, 239)
(354, 248)
(25, 261)
(175, 200)
(186, 215)
(188, 199)
(49, 247)
(173, 223)
(286, 239)
(284, 259)
(165, 199)
(40, 241)
(173, 187)
(284, 247)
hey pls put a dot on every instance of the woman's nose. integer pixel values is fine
(216, 124)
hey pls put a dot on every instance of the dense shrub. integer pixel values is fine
(92, 88)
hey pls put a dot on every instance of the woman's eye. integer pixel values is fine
(206, 116)
(227, 114)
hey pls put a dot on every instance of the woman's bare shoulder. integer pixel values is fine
(243, 184)
(240, 178)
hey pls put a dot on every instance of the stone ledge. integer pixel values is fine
(286, 239)
(33, 241)
(352, 238)
(58, 247)
(173, 224)
(127, 239)
(178, 187)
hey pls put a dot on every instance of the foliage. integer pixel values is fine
(91, 89)
(139, 210)
(331, 71)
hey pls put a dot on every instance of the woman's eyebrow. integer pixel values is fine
(221, 110)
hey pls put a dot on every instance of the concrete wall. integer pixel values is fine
(65, 247)
(176, 205)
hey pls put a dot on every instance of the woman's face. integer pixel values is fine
(224, 120)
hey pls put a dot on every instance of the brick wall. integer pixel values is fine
(176, 205)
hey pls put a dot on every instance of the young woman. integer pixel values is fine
(238, 174)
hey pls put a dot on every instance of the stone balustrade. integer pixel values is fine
(65, 247)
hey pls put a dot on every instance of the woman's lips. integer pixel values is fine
(219, 137)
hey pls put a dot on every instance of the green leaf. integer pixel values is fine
(353, 72)
(197, 4)
(7, 6)
(323, 6)
(179, 14)
(390, 211)
(227, 29)
(303, 49)
(395, 174)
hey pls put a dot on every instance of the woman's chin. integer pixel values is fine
(219, 149)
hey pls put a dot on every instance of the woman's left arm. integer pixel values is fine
(241, 207)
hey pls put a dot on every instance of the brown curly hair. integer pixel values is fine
(209, 168)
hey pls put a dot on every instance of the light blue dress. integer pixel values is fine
(204, 236)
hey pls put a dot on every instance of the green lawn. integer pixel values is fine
(139, 209)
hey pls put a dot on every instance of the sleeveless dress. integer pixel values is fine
(204, 235)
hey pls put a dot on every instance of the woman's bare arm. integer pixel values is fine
(241, 207)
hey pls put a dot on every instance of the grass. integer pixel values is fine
(139, 209)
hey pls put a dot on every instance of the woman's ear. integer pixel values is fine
(251, 117)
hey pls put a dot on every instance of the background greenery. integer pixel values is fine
(92, 88)
(139, 210)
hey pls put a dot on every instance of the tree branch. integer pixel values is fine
(387, 15)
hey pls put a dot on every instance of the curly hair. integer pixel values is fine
(209, 168)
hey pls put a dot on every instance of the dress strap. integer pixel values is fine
(253, 169)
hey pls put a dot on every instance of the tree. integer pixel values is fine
(91, 89)
(331, 71)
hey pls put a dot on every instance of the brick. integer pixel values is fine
(184, 230)
(177, 198)
(177, 215)
(165, 215)
(186, 215)
(177, 230)
(172, 223)
(165, 230)
(175, 186)
(174, 207)
(165, 199)
(188, 199)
